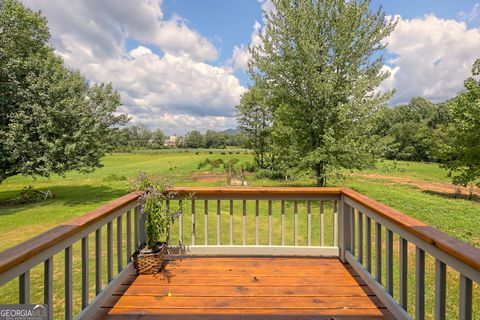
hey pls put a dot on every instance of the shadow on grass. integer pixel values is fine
(64, 195)
(447, 195)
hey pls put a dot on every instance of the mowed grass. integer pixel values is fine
(78, 193)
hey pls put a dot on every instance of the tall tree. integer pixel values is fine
(463, 153)
(254, 116)
(158, 139)
(321, 63)
(140, 135)
(51, 121)
(194, 139)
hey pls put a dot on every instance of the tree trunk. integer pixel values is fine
(321, 180)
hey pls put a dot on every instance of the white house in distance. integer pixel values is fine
(172, 141)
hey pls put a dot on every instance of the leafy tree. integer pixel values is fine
(415, 131)
(51, 121)
(194, 139)
(214, 139)
(319, 62)
(255, 118)
(158, 139)
(140, 135)
(463, 153)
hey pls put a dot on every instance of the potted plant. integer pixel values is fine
(158, 214)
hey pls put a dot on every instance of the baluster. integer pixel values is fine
(256, 222)
(335, 223)
(193, 223)
(244, 218)
(309, 223)
(219, 229)
(98, 258)
(345, 230)
(206, 223)
(378, 252)
(269, 222)
(109, 252)
(48, 286)
(295, 222)
(322, 223)
(352, 231)
(283, 222)
(403, 274)
(119, 244)
(440, 289)
(24, 288)
(465, 306)
(142, 234)
(167, 205)
(231, 222)
(389, 271)
(419, 284)
(180, 223)
(136, 219)
(360, 237)
(129, 236)
(68, 284)
(85, 272)
(369, 244)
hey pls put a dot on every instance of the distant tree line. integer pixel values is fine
(213, 139)
(140, 136)
(417, 131)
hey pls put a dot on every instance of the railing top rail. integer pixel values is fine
(25, 250)
(258, 191)
(458, 249)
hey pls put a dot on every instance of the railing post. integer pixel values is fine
(142, 236)
(344, 231)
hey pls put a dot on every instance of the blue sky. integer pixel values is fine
(179, 64)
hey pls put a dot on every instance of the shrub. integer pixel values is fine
(249, 166)
(269, 174)
(115, 177)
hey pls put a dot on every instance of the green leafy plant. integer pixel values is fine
(159, 214)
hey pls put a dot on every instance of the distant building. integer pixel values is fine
(173, 141)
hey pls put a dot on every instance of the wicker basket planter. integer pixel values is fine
(148, 261)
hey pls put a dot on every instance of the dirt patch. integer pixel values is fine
(208, 176)
(445, 188)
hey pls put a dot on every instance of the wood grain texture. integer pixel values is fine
(246, 288)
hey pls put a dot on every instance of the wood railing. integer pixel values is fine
(95, 228)
(254, 221)
(364, 221)
(258, 221)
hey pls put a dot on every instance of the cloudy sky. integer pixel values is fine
(179, 64)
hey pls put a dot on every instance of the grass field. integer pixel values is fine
(76, 194)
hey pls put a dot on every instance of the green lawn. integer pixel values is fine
(76, 194)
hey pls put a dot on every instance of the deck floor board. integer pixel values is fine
(246, 288)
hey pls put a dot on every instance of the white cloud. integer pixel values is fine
(433, 58)
(176, 90)
(105, 25)
(241, 54)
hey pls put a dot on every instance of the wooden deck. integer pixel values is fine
(246, 288)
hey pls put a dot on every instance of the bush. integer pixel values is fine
(249, 166)
(115, 177)
(269, 174)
